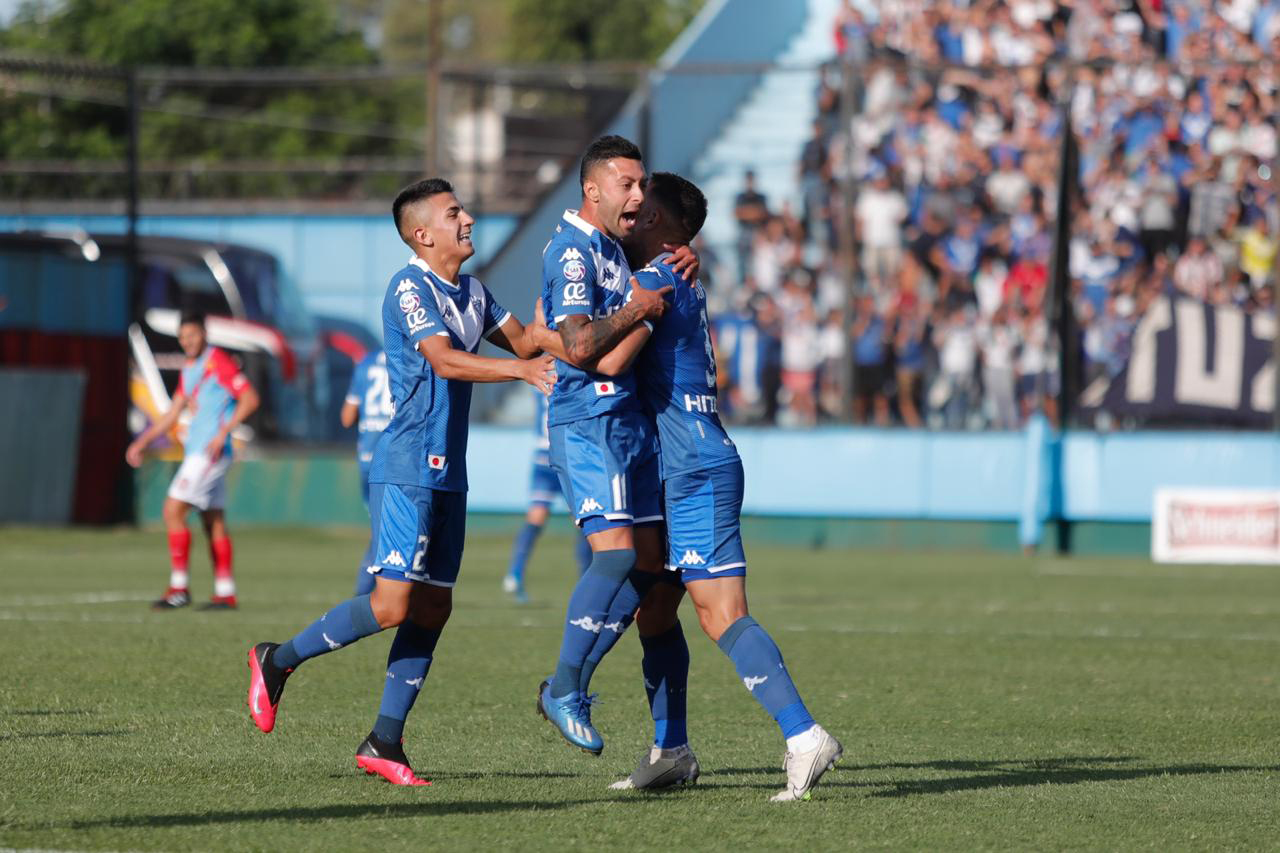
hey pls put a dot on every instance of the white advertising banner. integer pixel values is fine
(1216, 526)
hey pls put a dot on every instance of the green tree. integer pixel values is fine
(594, 30)
(50, 118)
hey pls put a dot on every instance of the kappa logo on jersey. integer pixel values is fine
(436, 462)
(693, 558)
(405, 284)
(604, 389)
(590, 505)
(586, 624)
(754, 681)
(575, 270)
(570, 254)
(611, 277)
(394, 559)
(477, 304)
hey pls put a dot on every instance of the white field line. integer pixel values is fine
(111, 597)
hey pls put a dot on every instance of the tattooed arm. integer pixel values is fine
(586, 340)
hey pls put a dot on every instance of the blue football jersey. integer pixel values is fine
(541, 433)
(676, 372)
(584, 272)
(370, 391)
(426, 442)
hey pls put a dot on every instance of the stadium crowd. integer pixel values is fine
(954, 149)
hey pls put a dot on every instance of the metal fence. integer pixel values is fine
(956, 247)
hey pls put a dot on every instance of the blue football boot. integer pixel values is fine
(571, 715)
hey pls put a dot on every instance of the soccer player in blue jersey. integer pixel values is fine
(703, 485)
(367, 407)
(544, 486)
(219, 398)
(433, 319)
(601, 446)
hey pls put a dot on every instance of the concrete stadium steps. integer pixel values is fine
(767, 133)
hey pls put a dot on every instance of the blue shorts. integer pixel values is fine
(608, 467)
(417, 533)
(704, 533)
(544, 485)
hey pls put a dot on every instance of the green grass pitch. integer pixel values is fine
(983, 702)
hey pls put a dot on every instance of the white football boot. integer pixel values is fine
(805, 767)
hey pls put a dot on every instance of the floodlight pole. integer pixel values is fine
(433, 113)
(132, 192)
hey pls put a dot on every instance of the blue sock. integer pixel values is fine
(760, 666)
(582, 553)
(588, 607)
(341, 626)
(666, 678)
(523, 547)
(619, 617)
(364, 580)
(407, 666)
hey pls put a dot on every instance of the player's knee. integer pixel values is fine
(174, 513)
(388, 608)
(432, 609)
(716, 619)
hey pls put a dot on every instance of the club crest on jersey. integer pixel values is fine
(405, 284)
(604, 389)
(436, 463)
(477, 304)
(570, 254)
(575, 270)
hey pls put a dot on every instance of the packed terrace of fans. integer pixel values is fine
(957, 141)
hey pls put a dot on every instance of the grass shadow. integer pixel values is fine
(1009, 773)
(1057, 775)
(95, 733)
(382, 811)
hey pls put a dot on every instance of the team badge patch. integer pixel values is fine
(604, 389)
(575, 270)
(409, 302)
(436, 462)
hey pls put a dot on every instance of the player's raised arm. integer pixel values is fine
(586, 340)
(684, 261)
(619, 359)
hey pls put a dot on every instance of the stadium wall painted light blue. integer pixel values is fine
(340, 262)
(870, 473)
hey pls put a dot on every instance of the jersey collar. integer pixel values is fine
(418, 262)
(572, 217)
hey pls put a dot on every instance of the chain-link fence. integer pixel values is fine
(922, 243)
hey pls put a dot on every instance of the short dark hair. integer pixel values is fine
(414, 193)
(682, 199)
(605, 149)
(193, 316)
